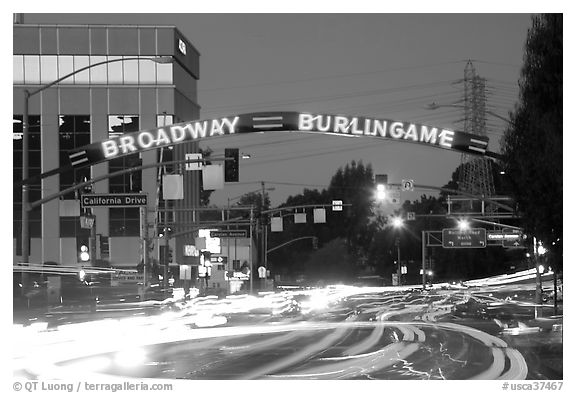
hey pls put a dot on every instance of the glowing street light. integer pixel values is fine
(397, 222)
(380, 192)
(463, 224)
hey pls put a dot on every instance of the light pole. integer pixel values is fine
(398, 223)
(25, 149)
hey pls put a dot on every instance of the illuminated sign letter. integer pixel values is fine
(411, 133)
(354, 126)
(217, 128)
(396, 130)
(367, 126)
(110, 148)
(326, 126)
(162, 138)
(380, 128)
(446, 138)
(305, 122)
(145, 140)
(127, 144)
(340, 123)
(177, 137)
(196, 129)
(428, 135)
(230, 124)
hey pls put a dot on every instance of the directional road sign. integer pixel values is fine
(467, 238)
(337, 205)
(113, 200)
(229, 233)
(512, 238)
(394, 194)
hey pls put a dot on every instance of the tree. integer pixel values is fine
(354, 184)
(532, 145)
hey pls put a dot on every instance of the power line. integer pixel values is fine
(328, 97)
(339, 76)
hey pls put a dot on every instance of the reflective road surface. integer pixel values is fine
(491, 330)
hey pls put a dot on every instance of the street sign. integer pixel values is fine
(394, 194)
(114, 200)
(336, 206)
(229, 233)
(512, 238)
(407, 185)
(218, 259)
(193, 166)
(467, 238)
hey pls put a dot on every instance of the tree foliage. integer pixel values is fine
(532, 145)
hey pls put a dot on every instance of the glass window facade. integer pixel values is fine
(73, 131)
(129, 70)
(165, 154)
(34, 169)
(124, 221)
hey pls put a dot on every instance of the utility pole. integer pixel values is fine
(423, 259)
(264, 230)
(166, 245)
(250, 250)
(399, 267)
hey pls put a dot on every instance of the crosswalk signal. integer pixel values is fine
(231, 165)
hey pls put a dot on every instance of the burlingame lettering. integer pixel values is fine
(375, 127)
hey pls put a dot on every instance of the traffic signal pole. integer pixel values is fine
(423, 259)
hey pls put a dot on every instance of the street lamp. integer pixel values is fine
(398, 222)
(463, 224)
(25, 148)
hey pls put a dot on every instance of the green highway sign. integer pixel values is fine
(464, 238)
(510, 238)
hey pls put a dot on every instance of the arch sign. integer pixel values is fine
(355, 126)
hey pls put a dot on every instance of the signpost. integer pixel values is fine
(467, 238)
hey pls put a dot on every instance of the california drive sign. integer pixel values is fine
(351, 126)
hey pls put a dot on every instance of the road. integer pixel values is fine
(339, 332)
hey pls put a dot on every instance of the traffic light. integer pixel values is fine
(231, 165)
(84, 253)
(381, 181)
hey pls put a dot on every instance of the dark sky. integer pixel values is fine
(388, 66)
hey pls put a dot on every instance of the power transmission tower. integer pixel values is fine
(476, 173)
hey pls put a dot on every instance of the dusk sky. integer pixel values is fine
(388, 66)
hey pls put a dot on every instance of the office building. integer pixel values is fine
(106, 100)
